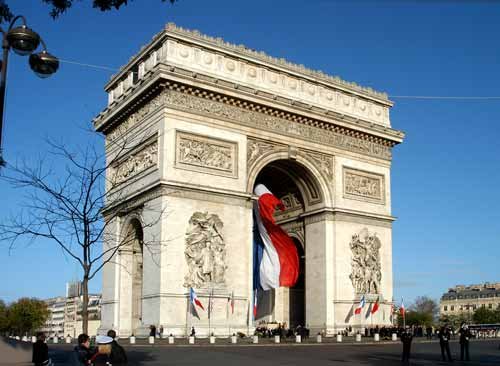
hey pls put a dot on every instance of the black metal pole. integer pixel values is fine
(3, 82)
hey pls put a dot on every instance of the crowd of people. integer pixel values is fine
(266, 331)
(107, 351)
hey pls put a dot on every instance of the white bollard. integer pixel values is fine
(55, 340)
(171, 340)
(68, 339)
(394, 337)
(298, 339)
(212, 340)
(25, 339)
(276, 339)
(234, 339)
(191, 340)
(319, 338)
(151, 340)
(358, 337)
(33, 339)
(376, 337)
(339, 338)
(132, 340)
(18, 338)
(255, 339)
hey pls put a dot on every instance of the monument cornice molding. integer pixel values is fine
(338, 214)
(218, 45)
(163, 75)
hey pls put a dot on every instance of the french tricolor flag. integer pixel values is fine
(276, 262)
(194, 299)
(361, 305)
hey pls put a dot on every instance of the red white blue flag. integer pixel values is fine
(276, 261)
(361, 305)
(194, 299)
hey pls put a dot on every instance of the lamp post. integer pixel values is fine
(23, 41)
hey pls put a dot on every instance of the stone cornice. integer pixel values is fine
(338, 214)
(196, 37)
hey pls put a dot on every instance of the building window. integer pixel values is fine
(452, 308)
(461, 307)
(445, 308)
(473, 307)
(483, 306)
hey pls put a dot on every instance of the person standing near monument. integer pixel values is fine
(444, 342)
(118, 355)
(40, 351)
(465, 335)
(406, 338)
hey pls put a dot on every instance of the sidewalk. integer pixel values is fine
(15, 352)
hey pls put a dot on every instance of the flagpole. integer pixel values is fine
(210, 311)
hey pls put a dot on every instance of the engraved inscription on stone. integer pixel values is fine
(366, 273)
(363, 185)
(134, 164)
(205, 251)
(206, 154)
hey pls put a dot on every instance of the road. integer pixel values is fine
(423, 353)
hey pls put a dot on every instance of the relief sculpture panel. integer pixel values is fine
(364, 186)
(366, 273)
(134, 164)
(205, 251)
(206, 154)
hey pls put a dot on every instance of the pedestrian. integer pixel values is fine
(83, 351)
(152, 331)
(465, 335)
(193, 332)
(406, 338)
(118, 355)
(103, 355)
(444, 343)
(40, 351)
(161, 331)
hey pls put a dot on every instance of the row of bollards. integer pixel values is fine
(255, 339)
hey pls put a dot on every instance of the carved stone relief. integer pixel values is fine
(205, 251)
(134, 164)
(206, 154)
(257, 149)
(364, 185)
(323, 162)
(366, 273)
(276, 124)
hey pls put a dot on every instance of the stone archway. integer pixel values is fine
(131, 277)
(300, 191)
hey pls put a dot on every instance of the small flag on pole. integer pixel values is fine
(402, 308)
(255, 304)
(375, 306)
(360, 306)
(232, 302)
(194, 299)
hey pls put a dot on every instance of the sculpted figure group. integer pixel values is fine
(205, 251)
(366, 273)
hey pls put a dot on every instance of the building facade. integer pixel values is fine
(65, 317)
(464, 300)
(192, 125)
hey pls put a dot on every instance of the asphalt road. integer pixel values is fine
(482, 353)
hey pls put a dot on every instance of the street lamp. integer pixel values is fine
(23, 41)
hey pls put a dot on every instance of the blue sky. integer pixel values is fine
(445, 176)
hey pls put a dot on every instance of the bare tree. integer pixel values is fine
(65, 205)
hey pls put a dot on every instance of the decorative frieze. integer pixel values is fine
(363, 185)
(205, 251)
(134, 164)
(206, 154)
(270, 122)
(366, 272)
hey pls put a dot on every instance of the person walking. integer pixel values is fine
(82, 350)
(406, 338)
(465, 335)
(103, 355)
(40, 351)
(118, 355)
(444, 342)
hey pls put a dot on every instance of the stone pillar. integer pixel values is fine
(319, 272)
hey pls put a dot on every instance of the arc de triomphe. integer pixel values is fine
(192, 125)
